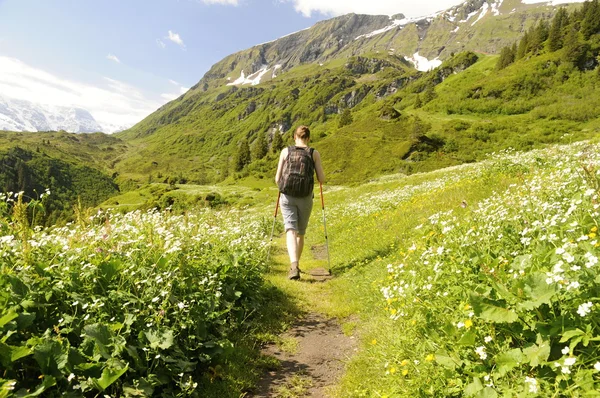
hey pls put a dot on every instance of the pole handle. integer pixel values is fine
(322, 199)
(277, 205)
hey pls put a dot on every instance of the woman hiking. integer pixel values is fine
(295, 179)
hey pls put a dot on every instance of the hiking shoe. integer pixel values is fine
(294, 273)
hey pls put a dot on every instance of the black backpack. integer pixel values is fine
(297, 178)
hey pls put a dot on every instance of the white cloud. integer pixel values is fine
(160, 43)
(175, 38)
(553, 2)
(222, 2)
(168, 96)
(113, 58)
(172, 96)
(111, 102)
(410, 8)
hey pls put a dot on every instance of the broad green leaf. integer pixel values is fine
(153, 338)
(5, 354)
(473, 388)
(468, 338)
(6, 318)
(487, 392)
(51, 357)
(585, 379)
(48, 382)
(141, 388)
(569, 334)
(109, 269)
(537, 354)
(17, 353)
(109, 376)
(101, 336)
(506, 361)
(166, 340)
(522, 262)
(537, 290)
(163, 341)
(25, 320)
(26, 304)
(492, 311)
(443, 358)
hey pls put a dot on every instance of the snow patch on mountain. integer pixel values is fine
(252, 79)
(471, 15)
(20, 115)
(496, 7)
(423, 64)
(484, 10)
(274, 75)
(395, 23)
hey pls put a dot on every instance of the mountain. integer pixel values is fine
(476, 25)
(373, 66)
(20, 115)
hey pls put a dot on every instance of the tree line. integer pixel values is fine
(576, 34)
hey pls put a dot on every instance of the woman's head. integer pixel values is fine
(302, 133)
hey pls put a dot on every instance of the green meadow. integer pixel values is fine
(474, 280)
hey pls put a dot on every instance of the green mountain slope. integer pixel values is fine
(195, 138)
(370, 114)
(69, 183)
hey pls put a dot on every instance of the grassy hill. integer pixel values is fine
(371, 114)
(476, 280)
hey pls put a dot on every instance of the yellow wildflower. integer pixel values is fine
(467, 307)
(595, 229)
(468, 323)
(430, 357)
(374, 341)
(592, 235)
(392, 370)
(404, 372)
(404, 362)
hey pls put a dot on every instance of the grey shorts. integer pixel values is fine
(296, 212)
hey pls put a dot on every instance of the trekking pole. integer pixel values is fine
(273, 228)
(325, 229)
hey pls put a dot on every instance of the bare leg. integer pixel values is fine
(292, 245)
(299, 245)
(292, 239)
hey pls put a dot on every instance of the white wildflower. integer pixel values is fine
(585, 308)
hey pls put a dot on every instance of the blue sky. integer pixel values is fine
(121, 59)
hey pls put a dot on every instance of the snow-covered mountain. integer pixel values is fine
(19, 115)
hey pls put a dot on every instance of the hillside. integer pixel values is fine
(479, 280)
(371, 114)
(195, 138)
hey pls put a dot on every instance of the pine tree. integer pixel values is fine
(590, 24)
(540, 35)
(260, 147)
(507, 57)
(277, 144)
(522, 48)
(345, 118)
(555, 36)
(242, 157)
(573, 48)
(428, 94)
(418, 102)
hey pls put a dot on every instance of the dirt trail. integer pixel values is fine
(314, 363)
